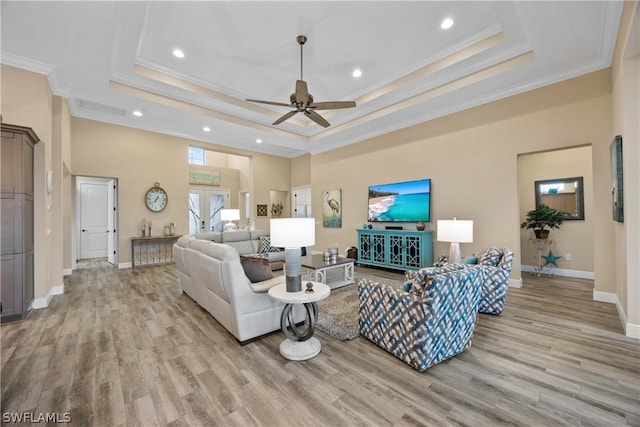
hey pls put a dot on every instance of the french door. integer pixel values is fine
(205, 205)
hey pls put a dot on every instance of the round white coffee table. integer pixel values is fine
(299, 344)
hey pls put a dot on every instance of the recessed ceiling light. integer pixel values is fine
(259, 141)
(178, 53)
(206, 129)
(356, 73)
(446, 23)
(137, 113)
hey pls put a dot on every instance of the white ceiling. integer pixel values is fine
(109, 58)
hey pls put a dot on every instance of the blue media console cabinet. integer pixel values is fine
(404, 250)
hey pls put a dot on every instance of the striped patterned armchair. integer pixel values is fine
(431, 323)
(496, 264)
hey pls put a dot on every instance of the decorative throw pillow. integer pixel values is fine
(406, 286)
(419, 286)
(470, 259)
(265, 245)
(490, 256)
(256, 267)
(442, 260)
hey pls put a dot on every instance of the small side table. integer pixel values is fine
(299, 343)
(541, 246)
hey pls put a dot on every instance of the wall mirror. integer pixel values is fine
(563, 194)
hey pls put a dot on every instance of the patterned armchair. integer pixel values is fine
(431, 323)
(496, 264)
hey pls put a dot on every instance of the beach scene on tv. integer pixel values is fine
(400, 202)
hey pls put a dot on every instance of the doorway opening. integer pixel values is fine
(96, 218)
(573, 243)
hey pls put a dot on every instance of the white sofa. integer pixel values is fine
(211, 274)
(245, 242)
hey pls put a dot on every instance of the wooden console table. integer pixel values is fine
(152, 250)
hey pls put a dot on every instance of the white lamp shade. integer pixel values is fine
(293, 232)
(230, 214)
(455, 231)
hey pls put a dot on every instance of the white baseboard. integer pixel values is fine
(633, 331)
(630, 330)
(124, 265)
(44, 302)
(515, 283)
(609, 297)
(578, 274)
(67, 272)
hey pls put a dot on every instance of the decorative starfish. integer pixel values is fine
(551, 259)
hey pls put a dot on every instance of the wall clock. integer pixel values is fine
(156, 198)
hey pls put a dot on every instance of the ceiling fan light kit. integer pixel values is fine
(302, 101)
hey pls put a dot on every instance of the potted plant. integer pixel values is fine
(542, 219)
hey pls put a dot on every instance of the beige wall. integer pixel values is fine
(471, 158)
(242, 164)
(574, 237)
(301, 171)
(245, 177)
(270, 173)
(626, 111)
(229, 179)
(27, 101)
(137, 159)
(140, 158)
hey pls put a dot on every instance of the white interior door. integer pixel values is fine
(301, 202)
(111, 221)
(94, 220)
(205, 205)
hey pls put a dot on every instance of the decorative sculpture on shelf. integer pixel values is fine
(276, 209)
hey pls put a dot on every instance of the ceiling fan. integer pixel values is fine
(302, 100)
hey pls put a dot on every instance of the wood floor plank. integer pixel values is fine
(128, 348)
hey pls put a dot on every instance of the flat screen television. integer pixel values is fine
(400, 202)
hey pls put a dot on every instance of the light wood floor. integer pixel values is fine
(127, 347)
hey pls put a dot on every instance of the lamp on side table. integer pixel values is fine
(230, 215)
(456, 232)
(292, 234)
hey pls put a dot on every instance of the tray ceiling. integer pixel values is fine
(111, 58)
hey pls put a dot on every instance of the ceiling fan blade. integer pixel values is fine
(302, 94)
(317, 118)
(332, 105)
(280, 104)
(285, 117)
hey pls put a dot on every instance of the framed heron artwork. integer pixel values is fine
(332, 208)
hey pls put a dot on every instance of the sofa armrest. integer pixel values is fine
(495, 282)
(506, 263)
(410, 275)
(264, 286)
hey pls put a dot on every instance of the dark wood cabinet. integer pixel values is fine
(16, 215)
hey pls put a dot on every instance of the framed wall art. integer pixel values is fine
(204, 178)
(332, 208)
(617, 193)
